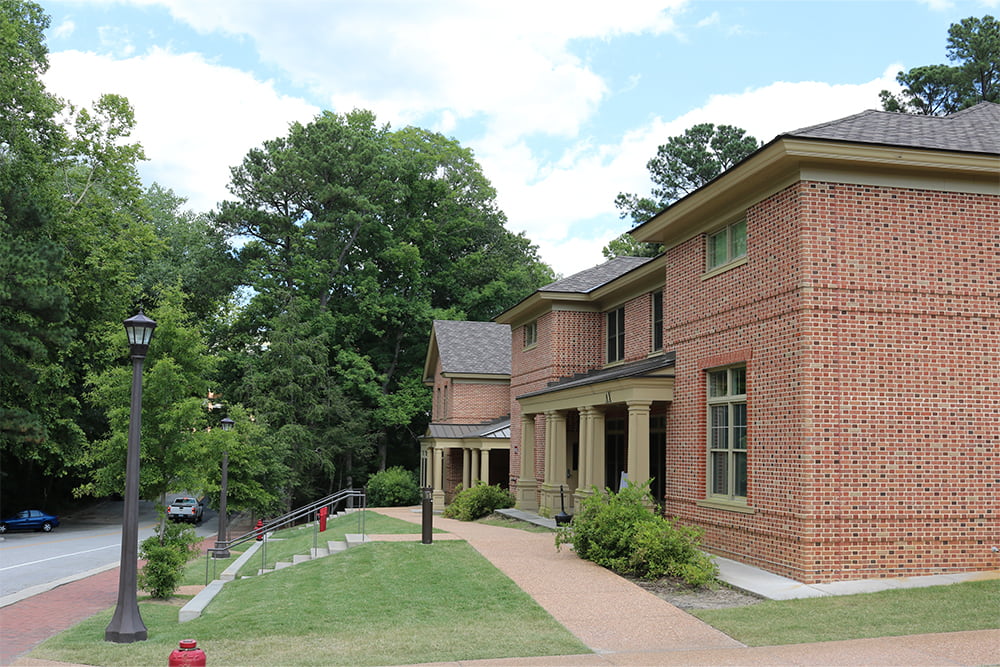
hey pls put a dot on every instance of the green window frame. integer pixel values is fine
(616, 334)
(531, 334)
(657, 319)
(727, 245)
(727, 433)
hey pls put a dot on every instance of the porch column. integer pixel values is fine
(638, 441)
(475, 467)
(587, 415)
(466, 468)
(437, 496)
(527, 485)
(555, 459)
(484, 466)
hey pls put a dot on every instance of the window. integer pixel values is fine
(657, 318)
(616, 335)
(530, 334)
(727, 245)
(727, 433)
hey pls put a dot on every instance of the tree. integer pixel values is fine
(174, 420)
(359, 236)
(681, 165)
(974, 45)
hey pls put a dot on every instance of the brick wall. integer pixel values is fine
(868, 321)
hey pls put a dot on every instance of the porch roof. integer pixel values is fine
(499, 428)
(649, 379)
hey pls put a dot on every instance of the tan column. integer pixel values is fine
(466, 468)
(638, 441)
(437, 497)
(555, 460)
(527, 485)
(475, 467)
(586, 452)
(484, 466)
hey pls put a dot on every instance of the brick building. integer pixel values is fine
(807, 370)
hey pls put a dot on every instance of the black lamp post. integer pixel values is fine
(126, 625)
(222, 541)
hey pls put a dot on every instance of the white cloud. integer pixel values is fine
(64, 29)
(194, 119)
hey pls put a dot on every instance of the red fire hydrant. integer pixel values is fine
(260, 533)
(188, 655)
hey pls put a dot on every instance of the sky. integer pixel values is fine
(562, 103)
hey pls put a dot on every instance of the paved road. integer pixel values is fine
(86, 542)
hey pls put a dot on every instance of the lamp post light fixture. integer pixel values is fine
(222, 541)
(126, 625)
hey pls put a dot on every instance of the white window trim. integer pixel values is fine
(731, 260)
(728, 500)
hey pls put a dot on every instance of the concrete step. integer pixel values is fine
(354, 539)
(336, 546)
(300, 558)
(319, 552)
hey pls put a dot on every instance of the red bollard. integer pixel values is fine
(323, 511)
(260, 533)
(188, 655)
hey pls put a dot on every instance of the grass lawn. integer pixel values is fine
(972, 605)
(378, 604)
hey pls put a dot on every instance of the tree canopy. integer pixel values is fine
(681, 165)
(973, 46)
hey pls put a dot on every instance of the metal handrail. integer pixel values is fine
(306, 510)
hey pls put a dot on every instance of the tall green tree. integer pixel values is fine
(974, 47)
(174, 419)
(681, 165)
(366, 235)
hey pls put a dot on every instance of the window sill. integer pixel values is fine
(529, 347)
(725, 267)
(726, 505)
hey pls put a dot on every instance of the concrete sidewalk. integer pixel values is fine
(626, 625)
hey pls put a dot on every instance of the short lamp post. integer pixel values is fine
(221, 549)
(126, 625)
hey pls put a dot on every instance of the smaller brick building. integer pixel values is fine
(468, 440)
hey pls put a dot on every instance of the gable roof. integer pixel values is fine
(588, 280)
(972, 130)
(472, 348)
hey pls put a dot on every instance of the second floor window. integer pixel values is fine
(616, 335)
(727, 245)
(657, 317)
(530, 334)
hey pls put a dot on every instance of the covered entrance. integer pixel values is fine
(599, 430)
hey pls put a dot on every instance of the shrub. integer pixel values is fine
(478, 501)
(394, 487)
(165, 555)
(620, 531)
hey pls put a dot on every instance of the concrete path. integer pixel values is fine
(626, 625)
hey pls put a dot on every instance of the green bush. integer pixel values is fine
(620, 531)
(395, 487)
(478, 501)
(165, 555)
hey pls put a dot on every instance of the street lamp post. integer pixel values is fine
(126, 625)
(222, 541)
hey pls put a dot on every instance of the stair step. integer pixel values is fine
(281, 565)
(336, 546)
(319, 552)
(300, 558)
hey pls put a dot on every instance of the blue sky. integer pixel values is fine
(562, 102)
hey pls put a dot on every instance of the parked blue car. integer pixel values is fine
(30, 520)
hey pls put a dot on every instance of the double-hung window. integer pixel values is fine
(616, 335)
(530, 334)
(657, 319)
(727, 433)
(727, 245)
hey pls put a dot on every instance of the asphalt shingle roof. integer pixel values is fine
(588, 280)
(972, 130)
(473, 347)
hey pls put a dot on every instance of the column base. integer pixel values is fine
(220, 550)
(527, 495)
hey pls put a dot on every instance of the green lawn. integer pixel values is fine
(378, 604)
(967, 606)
